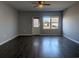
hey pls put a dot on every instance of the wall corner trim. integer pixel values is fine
(71, 39)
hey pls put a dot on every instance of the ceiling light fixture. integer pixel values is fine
(41, 4)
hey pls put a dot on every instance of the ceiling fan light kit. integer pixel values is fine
(40, 6)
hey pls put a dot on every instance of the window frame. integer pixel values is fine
(52, 22)
(48, 22)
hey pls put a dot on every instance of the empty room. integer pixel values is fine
(39, 29)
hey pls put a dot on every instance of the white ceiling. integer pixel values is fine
(28, 6)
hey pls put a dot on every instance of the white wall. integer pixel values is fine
(8, 23)
(71, 22)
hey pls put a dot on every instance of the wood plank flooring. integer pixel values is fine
(48, 47)
(40, 47)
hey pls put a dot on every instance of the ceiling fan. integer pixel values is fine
(41, 4)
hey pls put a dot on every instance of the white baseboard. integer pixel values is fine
(71, 39)
(37, 34)
(26, 34)
(8, 40)
(49, 34)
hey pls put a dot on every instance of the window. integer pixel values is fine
(46, 23)
(35, 22)
(50, 22)
(54, 22)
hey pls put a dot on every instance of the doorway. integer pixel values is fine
(35, 26)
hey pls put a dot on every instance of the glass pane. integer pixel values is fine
(35, 22)
(46, 22)
(54, 25)
(55, 19)
(54, 22)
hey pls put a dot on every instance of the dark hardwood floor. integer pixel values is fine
(48, 47)
(41, 47)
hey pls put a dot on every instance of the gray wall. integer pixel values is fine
(25, 22)
(8, 23)
(71, 22)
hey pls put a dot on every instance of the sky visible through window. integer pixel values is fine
(50, 22)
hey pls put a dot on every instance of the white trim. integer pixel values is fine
(49, 34)
(8, 40)
(26, 34)
(71, 39)
(38, 34)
